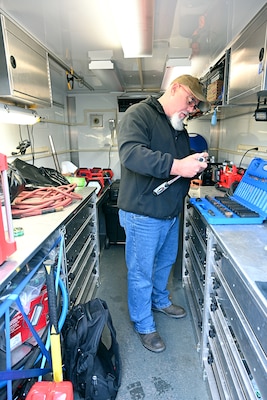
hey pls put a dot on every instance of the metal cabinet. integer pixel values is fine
(229, 311)
(82, 251)
(24, 67)
(247, 74)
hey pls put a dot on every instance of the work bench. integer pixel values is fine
(225, 278)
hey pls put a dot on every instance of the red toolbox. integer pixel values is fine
(51, 391)
(92, 174)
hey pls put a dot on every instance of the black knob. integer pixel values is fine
(13, 62)
(213, 306)
(216, 284)
(210, 358)
(217, 255)
(200, 302)
(212, 332)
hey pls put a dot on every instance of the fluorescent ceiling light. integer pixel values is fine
(101, 64)
(17, 115)
(174, 68)
(134, 20)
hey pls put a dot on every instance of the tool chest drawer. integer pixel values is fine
(240, 293)
(82, 254)
(197, 296)
(249, 361)
(193, 218)
(194, 261)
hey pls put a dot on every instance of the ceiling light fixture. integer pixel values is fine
(134, 20)
(17, 115)
(106, 72)
(174, 68)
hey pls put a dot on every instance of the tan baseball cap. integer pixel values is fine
(195, 88)
(193, 85)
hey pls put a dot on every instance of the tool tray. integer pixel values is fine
(248, 205)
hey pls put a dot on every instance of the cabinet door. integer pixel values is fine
(247, 74)
(24, 64)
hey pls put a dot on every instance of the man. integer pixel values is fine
(154, 148)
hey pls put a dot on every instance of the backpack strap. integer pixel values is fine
(114, 348)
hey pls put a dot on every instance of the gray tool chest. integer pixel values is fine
(225, 278)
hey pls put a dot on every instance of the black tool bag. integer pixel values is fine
(91, 351)
(57, 178)
(38, 177)
(16, 182)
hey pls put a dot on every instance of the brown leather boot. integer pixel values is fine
(152, 341)
(172, 311)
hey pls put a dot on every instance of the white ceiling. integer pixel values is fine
(70, 29)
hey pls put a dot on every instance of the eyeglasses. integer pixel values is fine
(190, 100)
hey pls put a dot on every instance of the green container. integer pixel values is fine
(81, 182)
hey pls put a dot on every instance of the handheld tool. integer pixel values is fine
(164, 186)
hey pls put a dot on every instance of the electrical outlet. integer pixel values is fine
(244, 147)
(96, 121)
(263, 149)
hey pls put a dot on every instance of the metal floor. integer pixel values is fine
(173, 374)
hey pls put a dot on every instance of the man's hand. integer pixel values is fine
(190, 166)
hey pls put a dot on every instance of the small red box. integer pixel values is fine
(19, 330)
(51, 391)
(92, 174)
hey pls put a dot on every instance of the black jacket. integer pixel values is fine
(147, 146)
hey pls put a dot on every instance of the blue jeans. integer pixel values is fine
(150, 252)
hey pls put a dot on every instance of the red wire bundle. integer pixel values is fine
(44, 200)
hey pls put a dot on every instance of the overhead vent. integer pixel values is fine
(126, 102)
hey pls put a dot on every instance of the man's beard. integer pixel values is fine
(177, 122)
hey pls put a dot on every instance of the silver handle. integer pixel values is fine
(163, 186)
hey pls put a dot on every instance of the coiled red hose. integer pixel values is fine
(44, 200)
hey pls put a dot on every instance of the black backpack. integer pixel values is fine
(91, 364)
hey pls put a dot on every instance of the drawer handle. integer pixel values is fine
(212, 332)
(213, 306)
